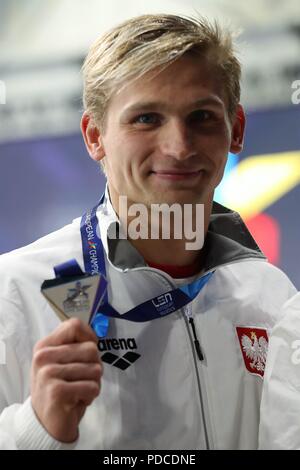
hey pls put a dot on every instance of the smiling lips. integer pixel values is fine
(176, 174)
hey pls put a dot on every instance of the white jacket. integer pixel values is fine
(156, 393)
(280, 407)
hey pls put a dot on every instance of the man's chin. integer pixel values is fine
(177, 197)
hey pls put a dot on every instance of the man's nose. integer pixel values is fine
(176, 140)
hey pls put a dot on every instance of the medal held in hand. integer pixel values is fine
(75, 294)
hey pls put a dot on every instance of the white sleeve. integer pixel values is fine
(20, 429)
(280, 405)
(19, 425)
(31, 435)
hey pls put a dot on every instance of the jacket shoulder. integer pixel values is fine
(265, 273)
(35, 262)
(259, 284)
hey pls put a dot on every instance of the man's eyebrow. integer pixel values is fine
(144, 106)
(159, 105)
(212, 100)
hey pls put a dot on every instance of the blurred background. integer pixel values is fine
(46, 176)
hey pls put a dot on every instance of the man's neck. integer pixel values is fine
(171, 251)
(168, 252)
(178, 272)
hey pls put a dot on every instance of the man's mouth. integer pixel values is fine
(176, 174)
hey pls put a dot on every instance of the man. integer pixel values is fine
(280, 408)
(162, 111)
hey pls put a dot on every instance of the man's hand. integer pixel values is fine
(65, 378)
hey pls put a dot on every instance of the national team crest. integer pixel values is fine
(254, 345)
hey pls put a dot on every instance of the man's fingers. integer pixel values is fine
(70, 331)
(69, 394)
(68, 353)
(72, 372)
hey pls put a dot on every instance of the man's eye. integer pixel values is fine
(201, 115)
(146, 119)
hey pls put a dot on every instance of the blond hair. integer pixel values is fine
(146, 42)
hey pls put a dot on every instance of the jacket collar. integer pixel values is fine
(227, 241)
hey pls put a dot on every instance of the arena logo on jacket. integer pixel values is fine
(118, 344)
(254, 347)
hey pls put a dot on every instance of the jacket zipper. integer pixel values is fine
(196, 351)
(189, 315)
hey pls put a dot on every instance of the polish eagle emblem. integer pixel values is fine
(254, 347)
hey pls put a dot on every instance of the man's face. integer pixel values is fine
(167, 136)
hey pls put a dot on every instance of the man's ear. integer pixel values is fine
(92, 137)
(238, 130)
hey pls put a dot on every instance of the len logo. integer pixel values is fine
(164, 304)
